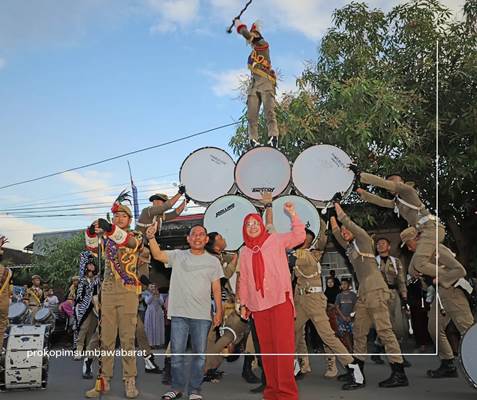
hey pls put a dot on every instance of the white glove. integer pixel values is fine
(464, 284)
(237, 23)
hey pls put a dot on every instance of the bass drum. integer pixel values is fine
(262, 169)
(225, 216)
(320, 172)
(207, 173)
(307, 212)
(21, 368)
(468, 355)
(19, 313)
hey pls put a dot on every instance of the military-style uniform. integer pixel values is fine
(408, 205)
(119, 296)
(34, 296)
(310, 301)
(450, 300)
(373, 297)
(5, 276)
(395, 277)
(149, 216)
(234, 329)
(263, 82)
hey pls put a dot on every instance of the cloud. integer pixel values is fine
(91, 182)
(173, 14)
(227, 83)
(19, 231)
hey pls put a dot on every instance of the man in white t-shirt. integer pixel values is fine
(194, 273)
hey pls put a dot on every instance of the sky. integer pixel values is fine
(81, 81)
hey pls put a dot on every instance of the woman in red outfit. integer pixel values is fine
(266, 293)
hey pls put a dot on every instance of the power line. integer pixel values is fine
(119, 156)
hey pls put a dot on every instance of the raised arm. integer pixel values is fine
(375, 199)
(154, 247)
(348, 223)
(297, 235)
(337, 232)
(175, 213)
(231, 266)
(407, 192)
(322, 237)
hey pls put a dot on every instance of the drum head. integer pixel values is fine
(16, 310)
(305, 210)
(42, 314)
(225, 216)
(262, 169)
(321, 171)
(468, 355)
(207, 173)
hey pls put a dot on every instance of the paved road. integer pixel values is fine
(65, 383)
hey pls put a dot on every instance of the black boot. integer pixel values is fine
(398, 377)
(377, 359)
(166, 377)
(261, 388)
(247, 372)
(356, 379)
(406, 363)
(87, 372)
(447, 369)
(150, 366)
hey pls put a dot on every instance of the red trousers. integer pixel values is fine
(276, 334)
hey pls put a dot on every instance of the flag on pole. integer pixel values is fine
(134, 192)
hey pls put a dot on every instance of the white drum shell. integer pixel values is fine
(321, 171)
(468, 355)
(208, 173)
(225, 216)
(307, 212)
(262, 169)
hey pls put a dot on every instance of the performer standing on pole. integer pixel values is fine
(263, 84)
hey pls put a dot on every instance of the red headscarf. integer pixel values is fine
(255, 244)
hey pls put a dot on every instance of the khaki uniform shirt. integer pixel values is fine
(360, 253)
(393, 274)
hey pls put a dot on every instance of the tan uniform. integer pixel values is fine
(149, 216)
(373, 293)
(408, 205)
(5, 275)
(453, 300)
(311, 302)
(34, 296)
(119, 297)
(233, 328)
(394, 276)
(262, 86)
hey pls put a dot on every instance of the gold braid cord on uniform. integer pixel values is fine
(5, 279)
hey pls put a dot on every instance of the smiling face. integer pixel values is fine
(383, 247)
(253, 228)
(197, 238)
(121, 220)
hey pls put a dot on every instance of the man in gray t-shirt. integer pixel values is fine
(195, 273)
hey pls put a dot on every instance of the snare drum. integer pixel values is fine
(468, 355)
(23, 369)
(262, 169)
(207, 173)
(307, 212)
(321, 171)
(19, 313)
(225, 216)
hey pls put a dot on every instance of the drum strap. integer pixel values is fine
(224, 328)
(393, 261)
(32, 293)
(408, 205)
(159, 225)
(5, 279)
(366, 255)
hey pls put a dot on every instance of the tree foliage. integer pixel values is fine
(60, 261)
(372, 92)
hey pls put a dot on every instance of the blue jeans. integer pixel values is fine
(180, 330)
